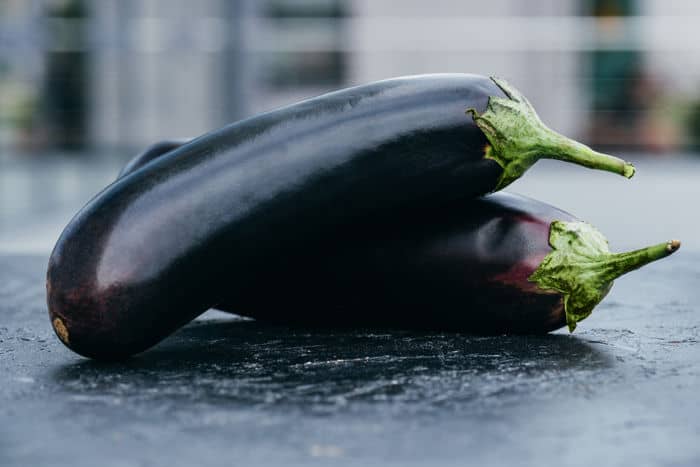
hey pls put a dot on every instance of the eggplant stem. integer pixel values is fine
(518, 139)
(582, 268)
(620, 264)
(564, 149)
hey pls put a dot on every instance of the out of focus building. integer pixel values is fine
(170, 68)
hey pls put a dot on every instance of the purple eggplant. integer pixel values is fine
(503, 264)
(155, 248)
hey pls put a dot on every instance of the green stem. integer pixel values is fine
(564, 149)
(582, 268)
(618, 264)
(518, 139)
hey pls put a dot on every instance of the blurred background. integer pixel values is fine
(84, 85)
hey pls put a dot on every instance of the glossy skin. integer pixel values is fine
(464, 266)
(150, 252)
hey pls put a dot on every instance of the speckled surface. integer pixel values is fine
(623, 390)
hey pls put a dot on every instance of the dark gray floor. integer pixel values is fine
(621, 391)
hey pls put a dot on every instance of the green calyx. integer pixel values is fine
(582, 268)
(518, 139)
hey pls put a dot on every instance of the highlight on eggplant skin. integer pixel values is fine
(150, 252)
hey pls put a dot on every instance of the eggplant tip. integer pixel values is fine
(61, 330)
(673, 245)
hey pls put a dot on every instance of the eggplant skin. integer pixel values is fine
(149, 252)
(461, 267)
(152, 152)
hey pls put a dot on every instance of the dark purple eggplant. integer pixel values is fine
(152, 250)
(503, 264)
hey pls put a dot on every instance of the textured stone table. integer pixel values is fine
(623, 390)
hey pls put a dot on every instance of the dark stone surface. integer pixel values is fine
(621, 391)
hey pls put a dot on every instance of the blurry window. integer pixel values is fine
(306, 39)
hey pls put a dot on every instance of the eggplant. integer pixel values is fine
(502, 264)
(151, 251)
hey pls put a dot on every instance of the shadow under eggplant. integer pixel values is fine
(252, 363)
